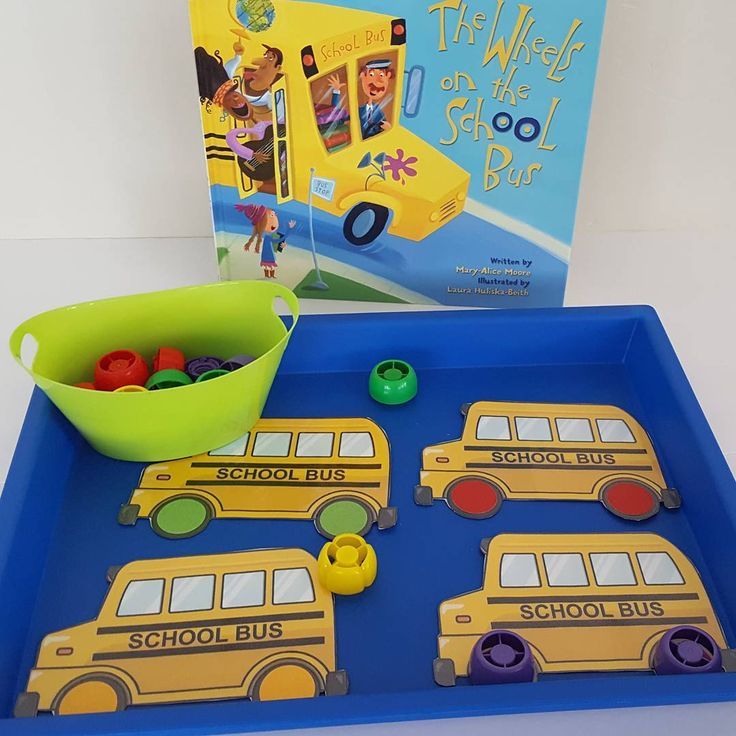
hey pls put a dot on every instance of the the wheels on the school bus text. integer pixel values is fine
(364, 223)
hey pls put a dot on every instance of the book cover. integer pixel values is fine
(406, 151)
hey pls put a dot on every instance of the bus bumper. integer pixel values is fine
(387, 517)
(337, 683)
(128, 514)
(26, 705)
(671, 498)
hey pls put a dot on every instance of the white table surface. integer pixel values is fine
(686, 277)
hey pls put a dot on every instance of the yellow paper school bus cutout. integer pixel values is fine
(366, 171)
(334, 471)
(580, 603)
(552, 452)
(242, 625)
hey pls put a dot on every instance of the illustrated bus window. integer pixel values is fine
(314, 444)
(281, 131)
(565, 570)
(193, 593)
(272, 444)
(659, 569)
(356, 444)
(292, 586)
(141, 598)
(612, 569)
(331, 101)
(574, 430)
(376, 93)
(236, 447)
(244, 589)
(493, 428)
(533, 428)
(519, 571)
(614, 430)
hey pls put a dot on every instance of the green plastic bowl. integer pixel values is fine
(393, 382)
(229, 318)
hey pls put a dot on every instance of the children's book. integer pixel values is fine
(420, 151)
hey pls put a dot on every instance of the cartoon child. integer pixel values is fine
(375, 78)
(266, 236)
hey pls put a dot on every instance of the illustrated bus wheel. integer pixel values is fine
(182, 517)
(364, 223)
(630, 500)
(687, 650)
(344, 516)
(500, 657)
(286, 682)
(474, 498)
(95, 694)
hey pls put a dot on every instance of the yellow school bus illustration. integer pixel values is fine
(580, 603)
(334, 471)
(565, 452)
(334, 106)
(241, 625)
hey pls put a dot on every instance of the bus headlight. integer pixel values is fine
(462, 619)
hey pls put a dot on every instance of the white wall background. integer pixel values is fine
(99, 132)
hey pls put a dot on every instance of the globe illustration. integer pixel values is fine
(255, 15)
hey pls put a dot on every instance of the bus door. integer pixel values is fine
(282, 152)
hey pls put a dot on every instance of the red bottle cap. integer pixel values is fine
(120, 368)
(86, 384)
(168, 359)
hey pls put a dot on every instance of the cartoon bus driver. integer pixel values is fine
(375, 78)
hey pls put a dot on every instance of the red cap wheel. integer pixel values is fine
(120, 368)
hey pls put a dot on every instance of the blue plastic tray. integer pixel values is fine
(58, 529)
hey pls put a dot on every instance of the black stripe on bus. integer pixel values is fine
(224, 149)
(273, 643)
(221, 158)
(311, 466)
(234, 621)
(592, 623)
(557, 466)
(215, 135)
(595, 598)
(549, 448)
(281, 484)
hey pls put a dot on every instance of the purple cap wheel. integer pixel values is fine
(687, 650)
(197, 366)
(500, 657)
(237, 362)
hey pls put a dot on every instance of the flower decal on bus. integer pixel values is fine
(401, 166)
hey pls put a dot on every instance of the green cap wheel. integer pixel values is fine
(393, 382)
(209, 375)
(167, 378)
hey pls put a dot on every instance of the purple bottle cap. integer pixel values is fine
(197, 366)
(237, 362)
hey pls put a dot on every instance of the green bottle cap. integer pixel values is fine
(393, 382)
(168, 378)
(209, 375)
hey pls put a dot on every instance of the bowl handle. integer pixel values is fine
(291, 301)
(24, 347)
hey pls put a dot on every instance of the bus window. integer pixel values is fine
(533, 428)
(376, 92)
(272, 444)
(659, 569)
(244, 589)
(281, 135)
(574, 430)
(493, 428)
(519, 571)
(356, 444)
(565, 570)
(612, 568)
(193, 593)
(330, 98)
(614, 430)
(236, 447)
(292, 586)
(314, 444)
(142, 598)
